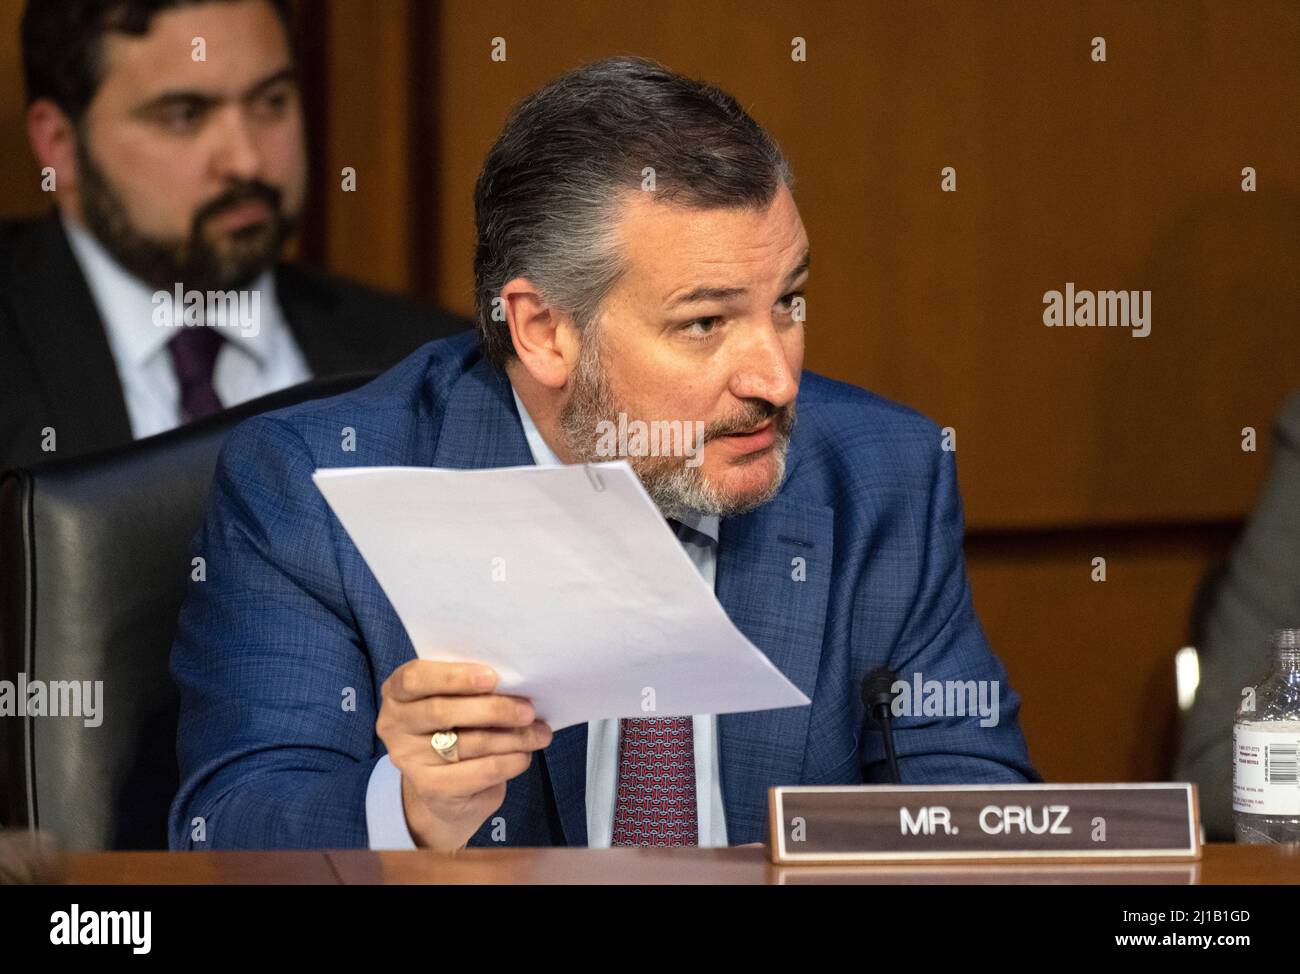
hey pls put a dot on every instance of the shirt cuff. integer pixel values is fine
(385, 817)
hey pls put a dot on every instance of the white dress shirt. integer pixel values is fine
(386, 820)
(250, 363)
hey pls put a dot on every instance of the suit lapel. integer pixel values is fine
(757, 572)
(310, 312)
(63, 332)
(481, 428)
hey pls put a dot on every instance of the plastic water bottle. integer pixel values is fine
(1265, 748)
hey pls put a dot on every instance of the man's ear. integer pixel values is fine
(545, 338)
(53, 138)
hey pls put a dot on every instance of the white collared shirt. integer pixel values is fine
(253, 361)
(386, 820)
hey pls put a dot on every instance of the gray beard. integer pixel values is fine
(676, 489)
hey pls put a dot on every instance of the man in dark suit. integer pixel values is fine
(171, 136)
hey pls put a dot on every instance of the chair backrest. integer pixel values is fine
(94, 561)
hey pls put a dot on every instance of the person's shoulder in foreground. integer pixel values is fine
(289, 624)
(1256, 594)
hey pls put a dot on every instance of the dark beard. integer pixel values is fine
(194, 262)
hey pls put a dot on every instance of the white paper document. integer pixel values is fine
(564, 579)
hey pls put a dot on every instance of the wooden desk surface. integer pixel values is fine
(1222, 863)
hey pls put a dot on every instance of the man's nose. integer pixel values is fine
(236, 155)
(765, 370)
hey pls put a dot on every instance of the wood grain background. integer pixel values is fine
(1072, 443)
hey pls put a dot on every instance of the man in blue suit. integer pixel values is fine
(640, 257)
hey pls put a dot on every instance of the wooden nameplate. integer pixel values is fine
(1155, 822)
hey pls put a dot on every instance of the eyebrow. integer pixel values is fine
(725, 293)
(206, 98)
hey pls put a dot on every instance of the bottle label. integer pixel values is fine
(1264, 768)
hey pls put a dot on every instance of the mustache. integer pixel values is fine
(758, 413)
(254, 190)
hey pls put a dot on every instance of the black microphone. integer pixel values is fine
(878, 698)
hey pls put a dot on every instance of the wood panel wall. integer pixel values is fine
(1072, 443)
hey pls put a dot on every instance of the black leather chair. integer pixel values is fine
(94, 562)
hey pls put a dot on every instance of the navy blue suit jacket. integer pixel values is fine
(289, 620)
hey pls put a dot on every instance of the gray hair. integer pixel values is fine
(547, 199)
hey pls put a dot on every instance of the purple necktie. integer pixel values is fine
(194, 355)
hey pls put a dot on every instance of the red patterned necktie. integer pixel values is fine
(656, 783)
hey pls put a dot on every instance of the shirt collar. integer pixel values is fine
(544, 456)
(126, 305)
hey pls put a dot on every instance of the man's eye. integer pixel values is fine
(701, 327)
(274, 103)
(181, 116)
(787, 300)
